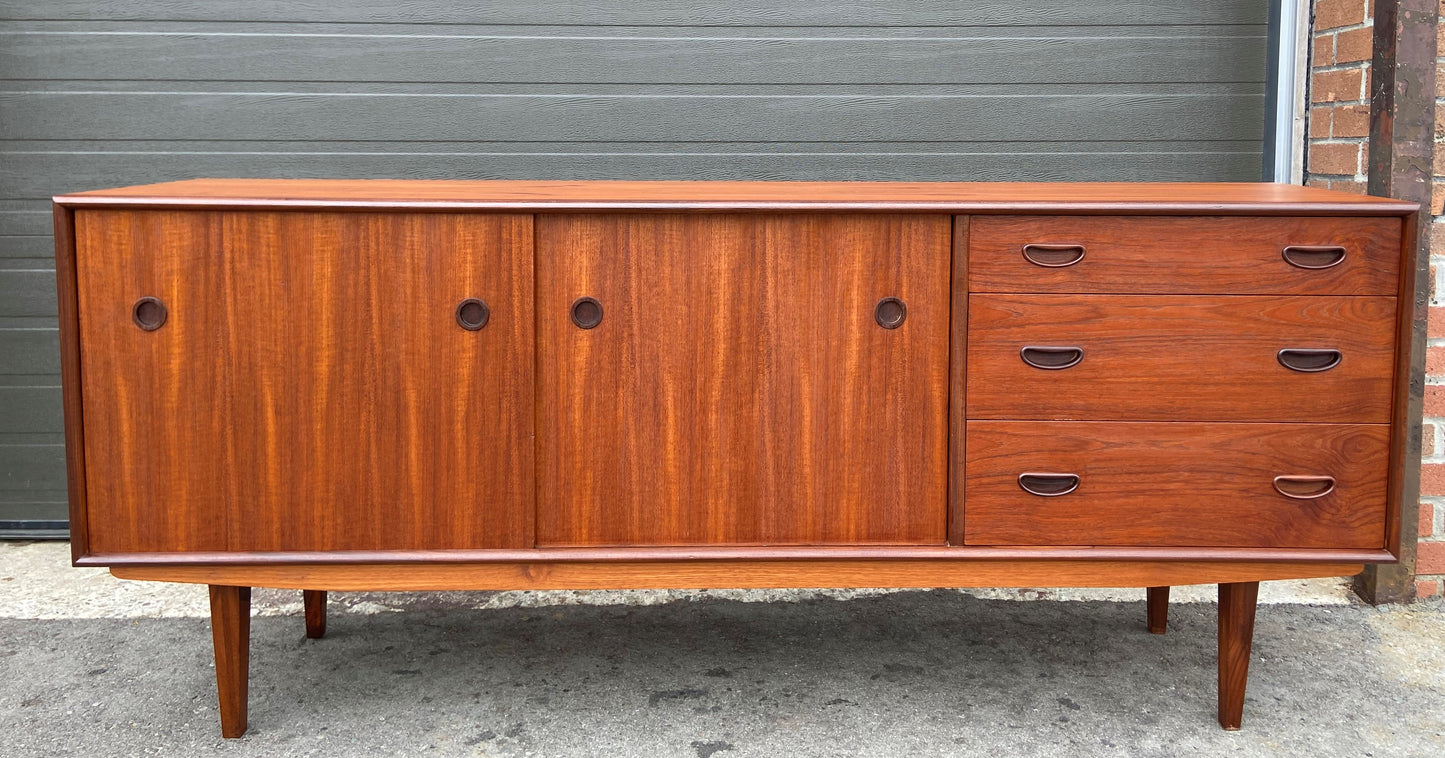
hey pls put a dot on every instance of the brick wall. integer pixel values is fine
(1339, 126)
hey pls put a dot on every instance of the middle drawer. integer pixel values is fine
(1180, 358)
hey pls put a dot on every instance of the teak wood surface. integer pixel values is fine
(1164, 358)
(1176, 483)
(738, 389)
(310, 388)
(948, 197)
(1184, 255)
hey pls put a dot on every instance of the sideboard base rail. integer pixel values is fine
(779, 574)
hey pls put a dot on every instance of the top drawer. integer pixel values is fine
(1226, 255)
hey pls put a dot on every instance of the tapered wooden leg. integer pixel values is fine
(1236, 632)
(315, 601)
(231, 630)
(1158, 610)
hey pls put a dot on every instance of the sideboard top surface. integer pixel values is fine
(951, 197)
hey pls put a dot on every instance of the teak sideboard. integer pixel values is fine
(418, 385)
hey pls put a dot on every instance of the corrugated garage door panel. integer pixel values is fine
(97, 94)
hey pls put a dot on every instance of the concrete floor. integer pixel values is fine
(93, 666)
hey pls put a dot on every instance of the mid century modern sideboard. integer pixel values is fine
(407, 385)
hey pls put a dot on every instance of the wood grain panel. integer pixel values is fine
(944, 197)
(738, 389)
(311, 388)
(1198, 255)
(737, 574)
(1159, 358)
(1184, 484)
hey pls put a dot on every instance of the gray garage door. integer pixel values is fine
(110, 92)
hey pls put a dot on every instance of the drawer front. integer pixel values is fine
(1188, 255)
(1155, 358)
(1176, 484)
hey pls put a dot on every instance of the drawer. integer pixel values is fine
(1176, 484)
(1181, 254)
(1199, 358)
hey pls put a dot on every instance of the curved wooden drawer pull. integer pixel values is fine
(1314, 257)
(1298, 487)
(1051, 357)
(1053, 256)
(1048, 485)
(1309, 361)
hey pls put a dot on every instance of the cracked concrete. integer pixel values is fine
(97, 667)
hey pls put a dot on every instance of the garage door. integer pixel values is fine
(110, 92)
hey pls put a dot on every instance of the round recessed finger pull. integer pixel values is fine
(148, 313)
(890, 313)
(1053, 256)
(473, 314)
(1047, 484)
(586, 313)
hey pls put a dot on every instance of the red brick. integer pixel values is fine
(1430, 558)
(1437, 197)
(1348, 185)
(1337, 86)
(1435, 361)
(1427, 440)
(1426, 588)
(1334, 158)
(1434, 274)
(1435, 327)
(1333, 14)
(1354, 45)
(1323, 53)
(1322, 183)
(1351, 121)
(1321, 121)
(1432, 476)
(1427, 519)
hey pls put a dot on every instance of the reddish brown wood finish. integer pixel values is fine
(314, 604)
(738, 389)
(1156, 357)
(688, 574)
(70, 375)
(1158, 610)
(958, 381)
(1236, 632)
(1185, 255)
(1212, 198)
(311, 389)
(1185, 484)
(231, 632)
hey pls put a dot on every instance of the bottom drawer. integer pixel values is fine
(1175, 484)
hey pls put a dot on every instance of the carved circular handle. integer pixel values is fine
(586, 313)
(1053, 256)
(148, 313)
(890, 313)
(1050, 357)
(1304, 487)
(1048, 485)
(473, 314)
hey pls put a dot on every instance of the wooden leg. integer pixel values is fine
(1236, 632)
(231, 630)
(1158, 610)
(315, 601)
